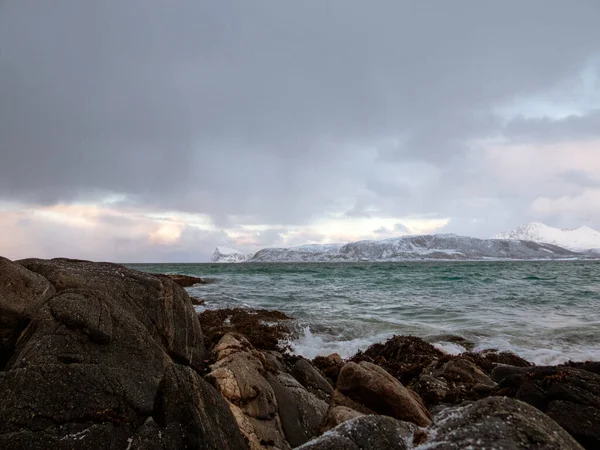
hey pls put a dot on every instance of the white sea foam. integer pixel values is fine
(311, 345)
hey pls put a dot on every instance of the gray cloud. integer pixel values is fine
(272, 112)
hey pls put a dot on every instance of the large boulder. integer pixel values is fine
(239, 375)
(22, 292)
(373, 387)
(301, 413)
(499, 423)
(161, 306)
(102, 346)
(568, 395)
(365, 433)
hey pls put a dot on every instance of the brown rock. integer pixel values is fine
(264, 329)
(183, 280)
(329, 366)
(404, 357)
(239, 375)
(375, 388)
(338, 415)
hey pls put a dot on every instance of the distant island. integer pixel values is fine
(532, 241)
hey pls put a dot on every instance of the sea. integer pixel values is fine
(548, 312)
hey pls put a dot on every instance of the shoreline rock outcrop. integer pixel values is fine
(96, 355)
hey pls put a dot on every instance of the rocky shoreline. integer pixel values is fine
(96, 355)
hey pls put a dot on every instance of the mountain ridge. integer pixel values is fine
(583, 238)
(411, 248)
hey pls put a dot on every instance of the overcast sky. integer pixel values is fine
(154, 131)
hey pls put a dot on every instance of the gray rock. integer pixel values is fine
(568, 395)
(499, 423)
(102, 344)
(365, 433)
(301, 413)
(311, 379)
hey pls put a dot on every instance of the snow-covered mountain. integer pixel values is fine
(578, 239)
(229, 255)
(306, 253)
(415, 248)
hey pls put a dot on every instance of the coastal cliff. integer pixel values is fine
(96, 355)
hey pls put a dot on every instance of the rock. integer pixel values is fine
(193, 414)
(264, 329)
(487, 360)
(339, 399)
(365, 433)
(373, 387)
(453, 380)
(22, 292)
(338, 415)
(568, 395)
(95, 356)
(183, 280)
(301, 413)
(311, 379)
(161, 306)
(239, 375)
(404, 357)
(197, 301)
(590, 366)
(329, 366)
(499, 423)
(501, 371)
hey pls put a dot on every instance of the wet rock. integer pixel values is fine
(404, 357)
(365, 433)
(301, 413)
(499, 423)
(337, 415)
(183, 280)
(264, 329)
(311, 379)
(502, 371)
(22, 292)
(453, 380)
(329, 366)
(373, 387)
(88, 367)
(590, 366)
(196, 301)
(568, 395)
(239, 375)
(487, 360)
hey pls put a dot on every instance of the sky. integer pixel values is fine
(153, 131)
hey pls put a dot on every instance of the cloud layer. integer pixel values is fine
(270, 123)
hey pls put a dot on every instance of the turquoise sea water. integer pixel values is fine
(547, 312)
